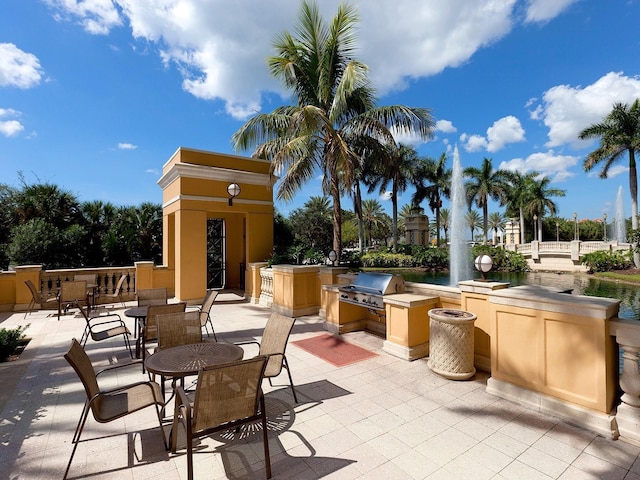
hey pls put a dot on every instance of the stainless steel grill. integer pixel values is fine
(368, 289)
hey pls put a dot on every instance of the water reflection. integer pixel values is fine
(579, 283)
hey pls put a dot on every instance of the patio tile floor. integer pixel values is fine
(379, 418)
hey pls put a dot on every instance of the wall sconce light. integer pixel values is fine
(333, 256)
(234, 190)
(484, 264)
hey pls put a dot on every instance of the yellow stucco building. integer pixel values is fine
(209, 235)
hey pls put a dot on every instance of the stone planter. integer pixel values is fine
(451, 343)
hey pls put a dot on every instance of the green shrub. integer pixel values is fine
(503, 260)
(604, 261)
(387, 260)
(10, 339)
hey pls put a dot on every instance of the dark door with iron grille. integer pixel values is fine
(215, 253)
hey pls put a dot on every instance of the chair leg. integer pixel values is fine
(76, 436)
(286, 366)
(128, 344)
(265, 437)
(212, 329)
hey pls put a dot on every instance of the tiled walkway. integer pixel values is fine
(382, 418)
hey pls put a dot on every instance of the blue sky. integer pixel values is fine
(96, 95)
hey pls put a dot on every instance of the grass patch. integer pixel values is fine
(624, 277)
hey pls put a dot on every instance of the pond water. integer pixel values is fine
(578, 283)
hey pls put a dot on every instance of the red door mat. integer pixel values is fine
(334, 350)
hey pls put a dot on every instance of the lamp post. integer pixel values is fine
(535, 227)
(604, 226)
(576, 235)
(484, 264)
(233, 190)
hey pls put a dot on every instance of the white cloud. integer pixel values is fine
(506, 130)
(445, 126)
(614, 171)
(567, 110)
(556, 167)
(11, 127)
(17, 68)
(127, 146)
(503, 131)
(96, 16)
(220, 47)
(544, 10)
(473, 143)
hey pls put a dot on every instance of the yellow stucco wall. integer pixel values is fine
(194, 189)
(562, 349)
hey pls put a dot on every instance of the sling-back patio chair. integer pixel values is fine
(116, 295)
(72, 295)
(205, 312)
(273, 344)
(149, 332)
(152, 296)
(104, 327)
(227, 396)
(92, 285)
(108, 405)
(36, 298)
(174, 329)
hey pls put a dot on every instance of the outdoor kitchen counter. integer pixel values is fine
(407, 324)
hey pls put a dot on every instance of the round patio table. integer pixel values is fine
(185, 360)
(140, 315)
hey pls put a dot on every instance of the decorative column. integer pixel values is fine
(627, 335)
(417, 229)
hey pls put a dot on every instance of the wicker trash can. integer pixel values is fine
(451, 343)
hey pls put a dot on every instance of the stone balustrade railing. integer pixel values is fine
(106, 279)
(266, 287)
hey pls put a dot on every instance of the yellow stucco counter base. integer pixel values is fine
(554, 351)
(407, 321)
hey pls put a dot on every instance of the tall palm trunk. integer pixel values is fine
(485, 221)
(394, 202)
(357, 207)
(337, 212)
(633, 189)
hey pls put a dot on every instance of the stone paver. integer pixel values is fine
(379, 418)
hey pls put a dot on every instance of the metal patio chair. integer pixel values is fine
(36, 298)
(205, 312)
(273, 344)
(108, 405)
(227, 396)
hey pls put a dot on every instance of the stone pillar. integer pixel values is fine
(417, 229)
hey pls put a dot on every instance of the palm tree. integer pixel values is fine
(335, 107)
(373, 215)
(496, 222)
(397, 168)
(619, 133)
(444, 222)
(439, 177)
(539, 201)
(486, 184)
(518, 195)
(473, 219)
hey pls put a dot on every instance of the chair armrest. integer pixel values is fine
(181, 403)
(127, 387)
(117, 319)
(121, 365)
(253, 342)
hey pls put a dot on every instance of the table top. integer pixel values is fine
(136, 312)
(186, 360)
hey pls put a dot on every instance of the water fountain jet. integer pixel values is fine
(621, 224)
(459, 261)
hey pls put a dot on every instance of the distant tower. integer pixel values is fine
(512, 232)
(416, 225)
